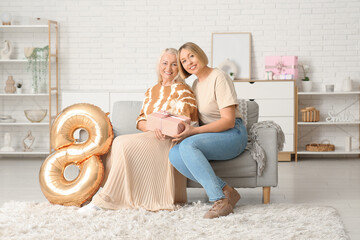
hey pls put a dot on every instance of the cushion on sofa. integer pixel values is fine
(241, 166)
(123, 117)
(252, 114)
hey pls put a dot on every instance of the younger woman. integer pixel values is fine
(222, 135)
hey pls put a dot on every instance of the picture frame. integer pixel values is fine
(232, 52)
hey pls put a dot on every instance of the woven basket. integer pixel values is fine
(320, 147)
(310, 114)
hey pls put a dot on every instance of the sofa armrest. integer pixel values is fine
(268, 141)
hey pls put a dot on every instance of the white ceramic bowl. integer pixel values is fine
(35, 115)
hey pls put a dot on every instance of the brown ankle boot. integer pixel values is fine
(232, 195)
(221, 207)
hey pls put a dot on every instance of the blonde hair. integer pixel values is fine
(163, 52)
(197, 51)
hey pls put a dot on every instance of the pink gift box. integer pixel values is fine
(169, 125)
(282, 65)
(153, 120)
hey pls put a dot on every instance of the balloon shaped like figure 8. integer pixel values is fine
(86, 156)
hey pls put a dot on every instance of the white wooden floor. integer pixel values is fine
(328, 182)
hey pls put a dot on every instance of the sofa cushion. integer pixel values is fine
(123, 117)
(241, 166)
(252, 114)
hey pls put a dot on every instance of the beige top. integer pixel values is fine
(213, 94)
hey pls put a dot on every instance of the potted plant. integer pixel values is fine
(232, 75)
(305, 82)
(38, 64)
(18, 88)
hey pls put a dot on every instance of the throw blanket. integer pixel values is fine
(256, 151)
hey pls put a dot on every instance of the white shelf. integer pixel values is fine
(18, 60)
(338, 150)
(35, 152)
(25, 124)
(13, 61)
(329, 93)
(25, 94)
(24, 26)
(328, 123)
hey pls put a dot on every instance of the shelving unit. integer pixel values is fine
(339, 150)
(53, 86)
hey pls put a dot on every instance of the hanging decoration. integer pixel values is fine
(38, 60)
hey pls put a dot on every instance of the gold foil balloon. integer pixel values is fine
(86, 155)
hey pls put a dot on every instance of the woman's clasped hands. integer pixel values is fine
(188, 131)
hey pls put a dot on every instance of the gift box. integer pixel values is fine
(169, 124)
(286, 76)
(154, 120)
(269, 75)
(282, 65)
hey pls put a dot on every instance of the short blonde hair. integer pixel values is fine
(163, 52)
(197, 51)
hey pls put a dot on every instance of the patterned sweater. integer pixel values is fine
(177, 99)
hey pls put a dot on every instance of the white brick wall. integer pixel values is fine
(115, 44)
(108, 44)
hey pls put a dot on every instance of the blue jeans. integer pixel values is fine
(191, 157)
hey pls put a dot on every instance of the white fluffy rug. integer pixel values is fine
(28, 220)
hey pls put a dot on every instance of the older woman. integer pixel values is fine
(222, 135)
(138, 173)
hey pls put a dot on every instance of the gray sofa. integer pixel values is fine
(240, 172)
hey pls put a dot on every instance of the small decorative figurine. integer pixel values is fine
(7, 144)
(28, 141)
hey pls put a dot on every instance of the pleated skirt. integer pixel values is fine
(138, 174)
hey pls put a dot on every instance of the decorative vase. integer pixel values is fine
(347, 85)
(6, 19)
(18, 90)
(10, 85)
(306, 86)
(7, 144)
(7, 50)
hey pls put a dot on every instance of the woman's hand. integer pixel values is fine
(159, 135)
(142, 125)
(189, 131)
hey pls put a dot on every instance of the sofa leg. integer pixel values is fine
(266, 195)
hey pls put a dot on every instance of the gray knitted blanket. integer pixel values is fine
(256, 151)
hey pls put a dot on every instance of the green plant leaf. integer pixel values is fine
(305, 79)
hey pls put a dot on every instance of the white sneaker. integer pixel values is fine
(89, 209)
